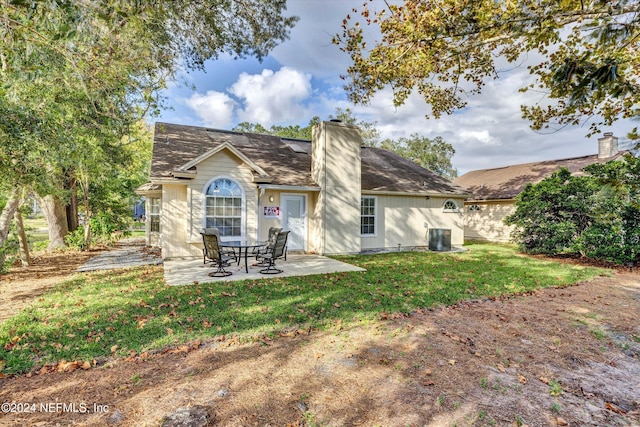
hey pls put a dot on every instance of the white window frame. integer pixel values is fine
(375, 216)
(445, 209)
(155, 204)
(243, 203)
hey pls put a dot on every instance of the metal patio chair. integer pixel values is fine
(227, 252)
(268, 248)
(278, 252)
(214, 255)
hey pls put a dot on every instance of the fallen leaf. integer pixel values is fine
(614, 408)
(181, 349)
(544, 380)
(427, 372)
(86, 365)
(452, 362)
(2, 364)
(501, 368)
(561, 422)
(114, 348)
(522, 379)
(427, 382)
(65, 366)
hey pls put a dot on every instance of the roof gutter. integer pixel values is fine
(161, 181)
(288, 187)
(412, 194)
(505, 200)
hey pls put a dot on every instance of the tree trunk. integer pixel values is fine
(56, 215)
(87, 217)
(71, 184)
(23, 247)
(5, 219)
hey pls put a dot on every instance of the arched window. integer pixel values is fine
(474, 208)
(450, 206)
(223, 207)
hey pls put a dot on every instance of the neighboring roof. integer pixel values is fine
(507, 182)
(287, 162)
(148, 188)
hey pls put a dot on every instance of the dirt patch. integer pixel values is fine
(22, 285)
(558, 356)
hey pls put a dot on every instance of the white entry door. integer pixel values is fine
(294, 219)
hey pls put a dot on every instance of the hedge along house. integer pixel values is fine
(495, 190)
(332, 194)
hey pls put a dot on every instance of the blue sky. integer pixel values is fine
(300, 79)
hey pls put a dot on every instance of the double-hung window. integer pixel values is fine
(154, 214)
(367, 216)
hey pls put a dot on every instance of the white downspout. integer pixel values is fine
(258, 219)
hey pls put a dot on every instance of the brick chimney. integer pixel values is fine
(607, 145)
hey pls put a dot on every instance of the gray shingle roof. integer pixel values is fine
(288, 162)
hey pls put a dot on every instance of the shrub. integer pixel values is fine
(75, 239)
(550, 215)
(597, 215)
(107, 228)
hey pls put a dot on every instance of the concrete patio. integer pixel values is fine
(190, 271)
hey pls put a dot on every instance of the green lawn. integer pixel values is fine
(37, 233)
(119, 312)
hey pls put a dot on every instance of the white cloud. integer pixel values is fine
(214, 108)
(273, 97)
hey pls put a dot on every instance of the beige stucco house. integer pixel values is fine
(494, 190)
(334, 195)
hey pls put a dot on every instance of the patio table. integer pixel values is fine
(246, 246)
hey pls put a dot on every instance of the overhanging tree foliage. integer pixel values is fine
(90, 71)
(589, 54)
